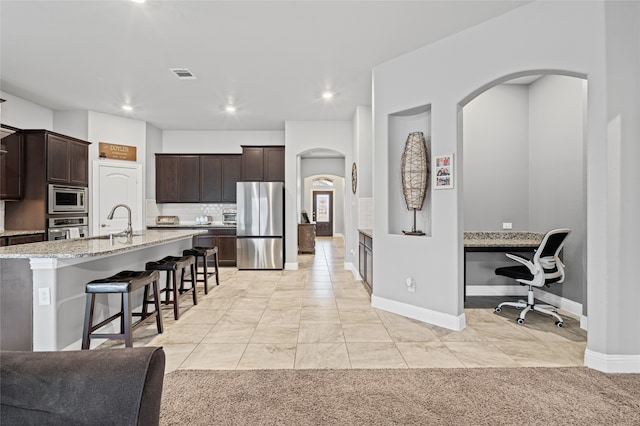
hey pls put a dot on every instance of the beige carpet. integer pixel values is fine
(522, 396)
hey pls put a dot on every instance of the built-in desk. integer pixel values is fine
(499, 242)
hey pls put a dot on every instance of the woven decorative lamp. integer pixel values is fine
(415, 175)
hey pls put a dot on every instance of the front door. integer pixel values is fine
(114, 184)
(323, 213)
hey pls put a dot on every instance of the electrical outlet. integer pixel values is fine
(44, 296)
(411, 285)
(507, 225)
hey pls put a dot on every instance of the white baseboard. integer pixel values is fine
(351, 267)
(584, 322)
(496, 290)
(612, 363)
(570, 306)
(291, 266)
(451, 322)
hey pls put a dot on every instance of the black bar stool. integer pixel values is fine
(204, 253)
(171, 264)
(125, 283)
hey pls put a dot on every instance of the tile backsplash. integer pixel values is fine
(187, 212)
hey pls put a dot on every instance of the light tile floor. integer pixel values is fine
(320, 317)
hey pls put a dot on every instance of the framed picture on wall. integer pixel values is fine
(443, 174)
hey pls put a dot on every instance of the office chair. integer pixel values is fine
(545, 268)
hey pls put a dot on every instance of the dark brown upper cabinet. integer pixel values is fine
(263, 163)
(203, 178)
(274, 164)
(167, 178)
(12, 168)
(252, 163)
(231, 174)
(210, 178)
(189, 178)
(66, 158)
(177, 178)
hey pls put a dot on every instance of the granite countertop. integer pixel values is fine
(91, 247)
(8, 233)
(367, 232)
(191, 225)
(502, 239)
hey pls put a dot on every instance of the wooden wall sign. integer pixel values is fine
(117, 152)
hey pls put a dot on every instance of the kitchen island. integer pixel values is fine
(42, 284)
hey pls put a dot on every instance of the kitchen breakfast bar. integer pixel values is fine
(42, 285)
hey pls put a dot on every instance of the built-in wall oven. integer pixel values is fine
(64, 228)
(67, 199)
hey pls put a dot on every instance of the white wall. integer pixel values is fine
(153, 145)
(216, 141)
(118, 130)
(496, 159)
(557, 186)
(359, 206)
(446, 75)
(300, 137)
(496, 173)
(72, 123)
(604, 45)
(613, 292)
(23, 114)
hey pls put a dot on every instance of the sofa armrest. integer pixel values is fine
(115, 386)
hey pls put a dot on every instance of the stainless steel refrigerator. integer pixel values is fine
(260, 225)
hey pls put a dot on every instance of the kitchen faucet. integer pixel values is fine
(129, 231)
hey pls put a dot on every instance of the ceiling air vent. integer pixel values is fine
(183, 73)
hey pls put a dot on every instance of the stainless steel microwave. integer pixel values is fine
(67, 199)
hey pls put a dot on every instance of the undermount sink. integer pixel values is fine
(118, 235)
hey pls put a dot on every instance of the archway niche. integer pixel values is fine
(523, 164)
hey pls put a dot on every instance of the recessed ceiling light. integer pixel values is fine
(127, 107)
(327, 94)
(138, 1)
(230, 108)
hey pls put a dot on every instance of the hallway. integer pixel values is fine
(320, 317)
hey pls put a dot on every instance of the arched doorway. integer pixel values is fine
(524, 169)
(321, 174)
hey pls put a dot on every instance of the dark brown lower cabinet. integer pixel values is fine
(365, 265)
(306, 238)
(21, 239)
(224, 239)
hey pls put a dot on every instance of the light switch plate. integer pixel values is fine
(507, 225)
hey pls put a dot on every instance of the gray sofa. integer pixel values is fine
(99, 387)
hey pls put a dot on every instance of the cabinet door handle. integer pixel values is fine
(104, 225)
